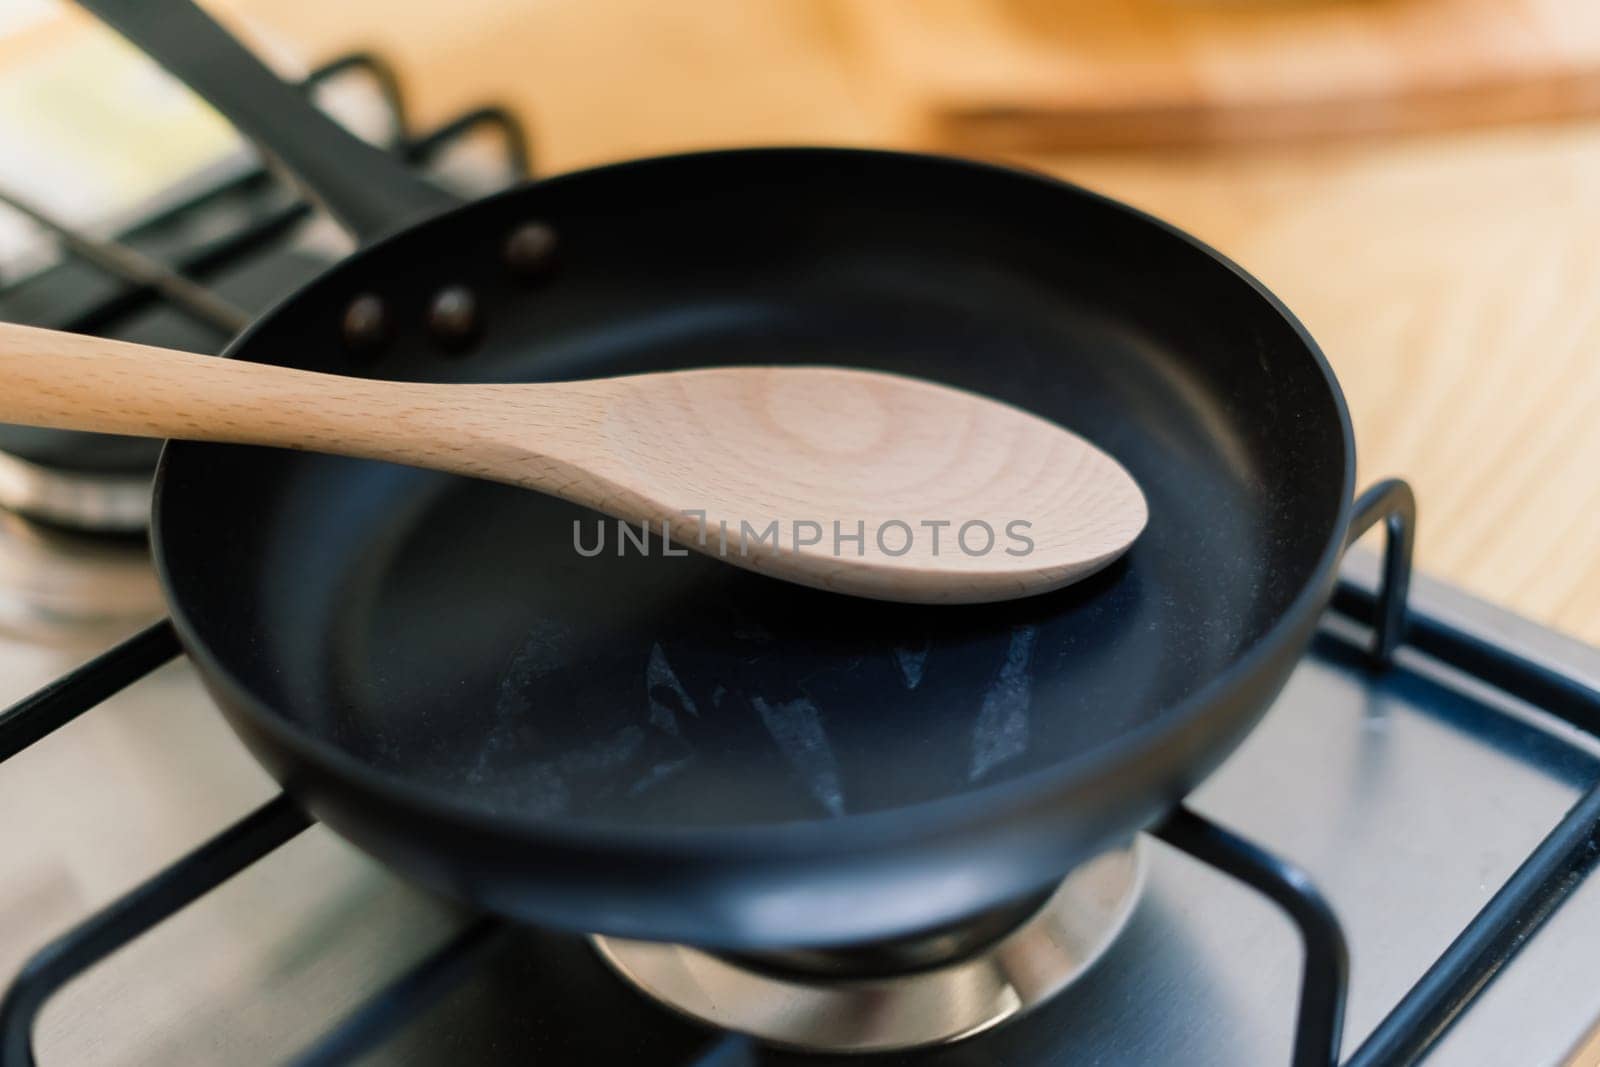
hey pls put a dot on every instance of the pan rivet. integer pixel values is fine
(529, 248)
(453, 315)
(365, 324)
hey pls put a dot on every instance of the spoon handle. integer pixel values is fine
(73, 382)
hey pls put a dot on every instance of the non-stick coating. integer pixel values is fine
(445, 633)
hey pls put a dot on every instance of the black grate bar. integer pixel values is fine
(1547, 689)
(1325, 969)
(135, 912)
(1391, 502)
(1512, 916)
(424, 147)
(134, 267)
(376, 69)
(403, 999)
(73, 694)
(132, 298)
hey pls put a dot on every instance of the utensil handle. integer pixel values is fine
(368, 191)
(75, 382)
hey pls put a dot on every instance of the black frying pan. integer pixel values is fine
(675, 748)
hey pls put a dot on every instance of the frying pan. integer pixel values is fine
(672, 748)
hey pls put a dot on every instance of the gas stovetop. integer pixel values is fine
(1409, 793)
(1402, 844)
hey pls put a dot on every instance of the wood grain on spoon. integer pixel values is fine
(853, 481)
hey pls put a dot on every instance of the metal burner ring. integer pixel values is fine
(1035, 961)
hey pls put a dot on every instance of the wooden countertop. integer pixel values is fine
(1454, 280)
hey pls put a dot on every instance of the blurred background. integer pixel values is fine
(1419, 180)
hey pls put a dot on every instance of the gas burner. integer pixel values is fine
(97, 502)
(956, 982)
(55, 581)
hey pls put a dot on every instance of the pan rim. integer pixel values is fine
(890, 828)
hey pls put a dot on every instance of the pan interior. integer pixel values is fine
(448, 633)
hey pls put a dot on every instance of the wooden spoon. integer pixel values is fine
(847, 480)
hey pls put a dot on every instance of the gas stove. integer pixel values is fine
(1392, 866)
(163, 904)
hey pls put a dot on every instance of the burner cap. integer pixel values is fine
(105, 501)
(818, 1012)
(56, 582)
